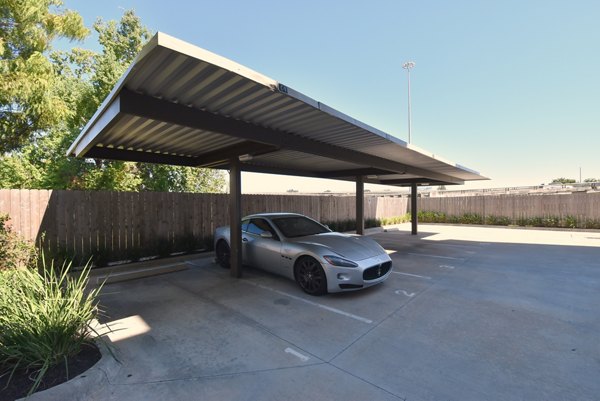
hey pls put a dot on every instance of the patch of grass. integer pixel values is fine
(44, 318)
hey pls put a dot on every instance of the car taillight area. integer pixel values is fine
(377, 271)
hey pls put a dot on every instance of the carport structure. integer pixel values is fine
(179, 104)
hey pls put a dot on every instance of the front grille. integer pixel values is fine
(377, 271)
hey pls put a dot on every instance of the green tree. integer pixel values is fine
(563, 181)
(591, 180)
(83, 80)
(30, 101)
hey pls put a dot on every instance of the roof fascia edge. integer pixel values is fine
(107, 118)
(106, 103)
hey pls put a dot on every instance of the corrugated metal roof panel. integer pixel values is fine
(178, 72)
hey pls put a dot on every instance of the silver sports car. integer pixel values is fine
(302, 249)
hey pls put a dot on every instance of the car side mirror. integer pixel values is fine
(266, 234)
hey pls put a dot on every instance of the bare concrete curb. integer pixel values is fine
(88, 386)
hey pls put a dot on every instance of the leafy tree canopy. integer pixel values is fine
(563, 181)
(29, 96)
(591, 180)
(81, 79)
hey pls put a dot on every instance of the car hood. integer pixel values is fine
(353, 247)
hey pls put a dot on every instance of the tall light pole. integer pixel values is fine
(407, 66)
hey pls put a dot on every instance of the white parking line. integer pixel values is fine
(410, 295)
(434, 256)
(447, 266)
(454, 245)
(412, 275)
(302, 357)
(328, 308)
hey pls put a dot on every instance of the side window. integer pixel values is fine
(245, 225)
(258, 226)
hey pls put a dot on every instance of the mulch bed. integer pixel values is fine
(22, 381)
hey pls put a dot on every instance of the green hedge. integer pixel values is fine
(471, 218)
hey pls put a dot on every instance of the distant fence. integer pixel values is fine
(126, 225)
(583, 207)
(130, 225)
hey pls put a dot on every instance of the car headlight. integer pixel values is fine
(337, 261)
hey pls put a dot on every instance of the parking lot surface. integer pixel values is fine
(469, 313)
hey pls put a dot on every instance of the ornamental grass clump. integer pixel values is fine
(44, 318)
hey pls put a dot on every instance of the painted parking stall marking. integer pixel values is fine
(404, 292)
(306, 301)
(302, 357)
(434, 256)
(412, 275)
(447, 266)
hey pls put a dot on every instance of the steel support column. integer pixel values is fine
(235, 217)
(360, 205)
(413, 208)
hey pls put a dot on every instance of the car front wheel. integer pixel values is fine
(310, 276)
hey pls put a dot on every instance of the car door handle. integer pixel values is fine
(244, 239)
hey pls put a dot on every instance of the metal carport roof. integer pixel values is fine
(180, 104)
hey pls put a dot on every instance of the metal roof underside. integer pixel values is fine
(182, 105)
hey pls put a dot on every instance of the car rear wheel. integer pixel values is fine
(223, 254)
(310, 276)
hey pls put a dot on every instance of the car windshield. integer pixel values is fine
(298, 226)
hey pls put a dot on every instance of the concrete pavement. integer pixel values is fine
(471, 313)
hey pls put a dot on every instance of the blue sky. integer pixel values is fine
(508, 88)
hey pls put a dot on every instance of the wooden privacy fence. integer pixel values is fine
(581, 206)
(130, 225)
(126, 225)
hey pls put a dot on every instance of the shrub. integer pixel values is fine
(550, 221)
(593, 224)
(44, 318)
(164, 247)
(570, 222)
(15, 252)
(498, 220)
(369, 223)
(386, 221)
(530, 222)
(431, 217)
(342, 225)
(471, 218)
(350, 225)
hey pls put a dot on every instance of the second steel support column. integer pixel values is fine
(360, 205)
(235, 217)
(413, 208)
